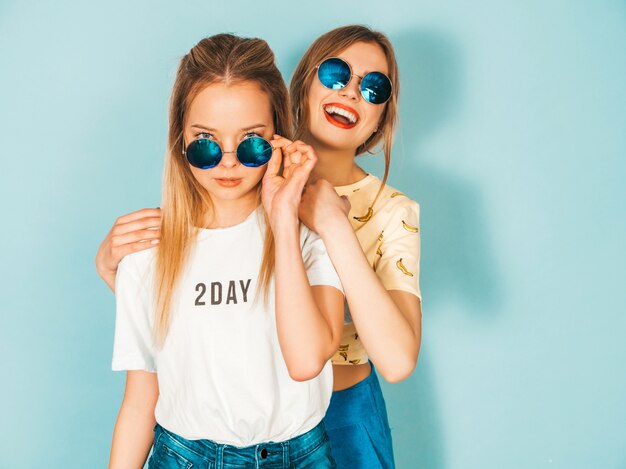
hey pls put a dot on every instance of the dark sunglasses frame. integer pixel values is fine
(193, 146)
(363, 91)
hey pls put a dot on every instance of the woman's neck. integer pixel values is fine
(336, 166)
(227, 213)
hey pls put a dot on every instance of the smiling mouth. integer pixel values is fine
(341, 116)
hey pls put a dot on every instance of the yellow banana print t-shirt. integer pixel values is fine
(389, 235)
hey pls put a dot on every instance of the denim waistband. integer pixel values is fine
(259, 455)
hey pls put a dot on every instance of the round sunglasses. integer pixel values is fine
(205, 153)
(335, 73)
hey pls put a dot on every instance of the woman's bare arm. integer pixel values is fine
(133, 436)
(389, 322)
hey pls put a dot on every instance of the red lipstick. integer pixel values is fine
(347, 119)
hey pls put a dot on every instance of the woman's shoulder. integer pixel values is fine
(390, 199)
(376, 204)
(139, 262)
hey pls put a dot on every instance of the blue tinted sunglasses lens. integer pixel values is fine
(334, 73)
(254, 152)
(376, 88)
(203, 153)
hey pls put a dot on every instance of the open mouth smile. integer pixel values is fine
(340, 115)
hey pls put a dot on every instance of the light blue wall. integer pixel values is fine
(512, 139)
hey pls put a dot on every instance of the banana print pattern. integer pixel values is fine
(356, 361)
(343, 351)
(400, 266)
(366, 217)
(412, 229)
(350, 353)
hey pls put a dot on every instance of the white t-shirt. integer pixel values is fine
(221, 372)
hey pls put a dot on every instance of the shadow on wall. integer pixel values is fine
(456, 262)
(457, 259)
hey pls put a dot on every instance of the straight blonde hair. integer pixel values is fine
(329, 45)
(223, 58)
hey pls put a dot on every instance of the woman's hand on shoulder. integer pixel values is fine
(130, 233)
(281, 193)
(321, 208)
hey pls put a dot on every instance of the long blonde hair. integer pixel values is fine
(329, 45)
(222, 58)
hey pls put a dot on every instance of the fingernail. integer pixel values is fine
(154, 241)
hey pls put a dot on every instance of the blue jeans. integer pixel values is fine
(309, 450)
(358, 428)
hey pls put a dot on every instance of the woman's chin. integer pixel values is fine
(334, 140)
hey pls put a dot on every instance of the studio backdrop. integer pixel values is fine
(511, 138)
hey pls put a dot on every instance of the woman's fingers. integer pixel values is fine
(303, 149)
(311, 158)
(299, 152)
(303, 160)
(294, 159)
(308, 159)
(135, 231)
(284, 143)
(122, 251)
(273, 166)
(301, 172)
(143, 213)
(299, 160)
(134, 236)
(280, 142)
(136, 224)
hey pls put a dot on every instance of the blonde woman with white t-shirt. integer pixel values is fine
(226, 329)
